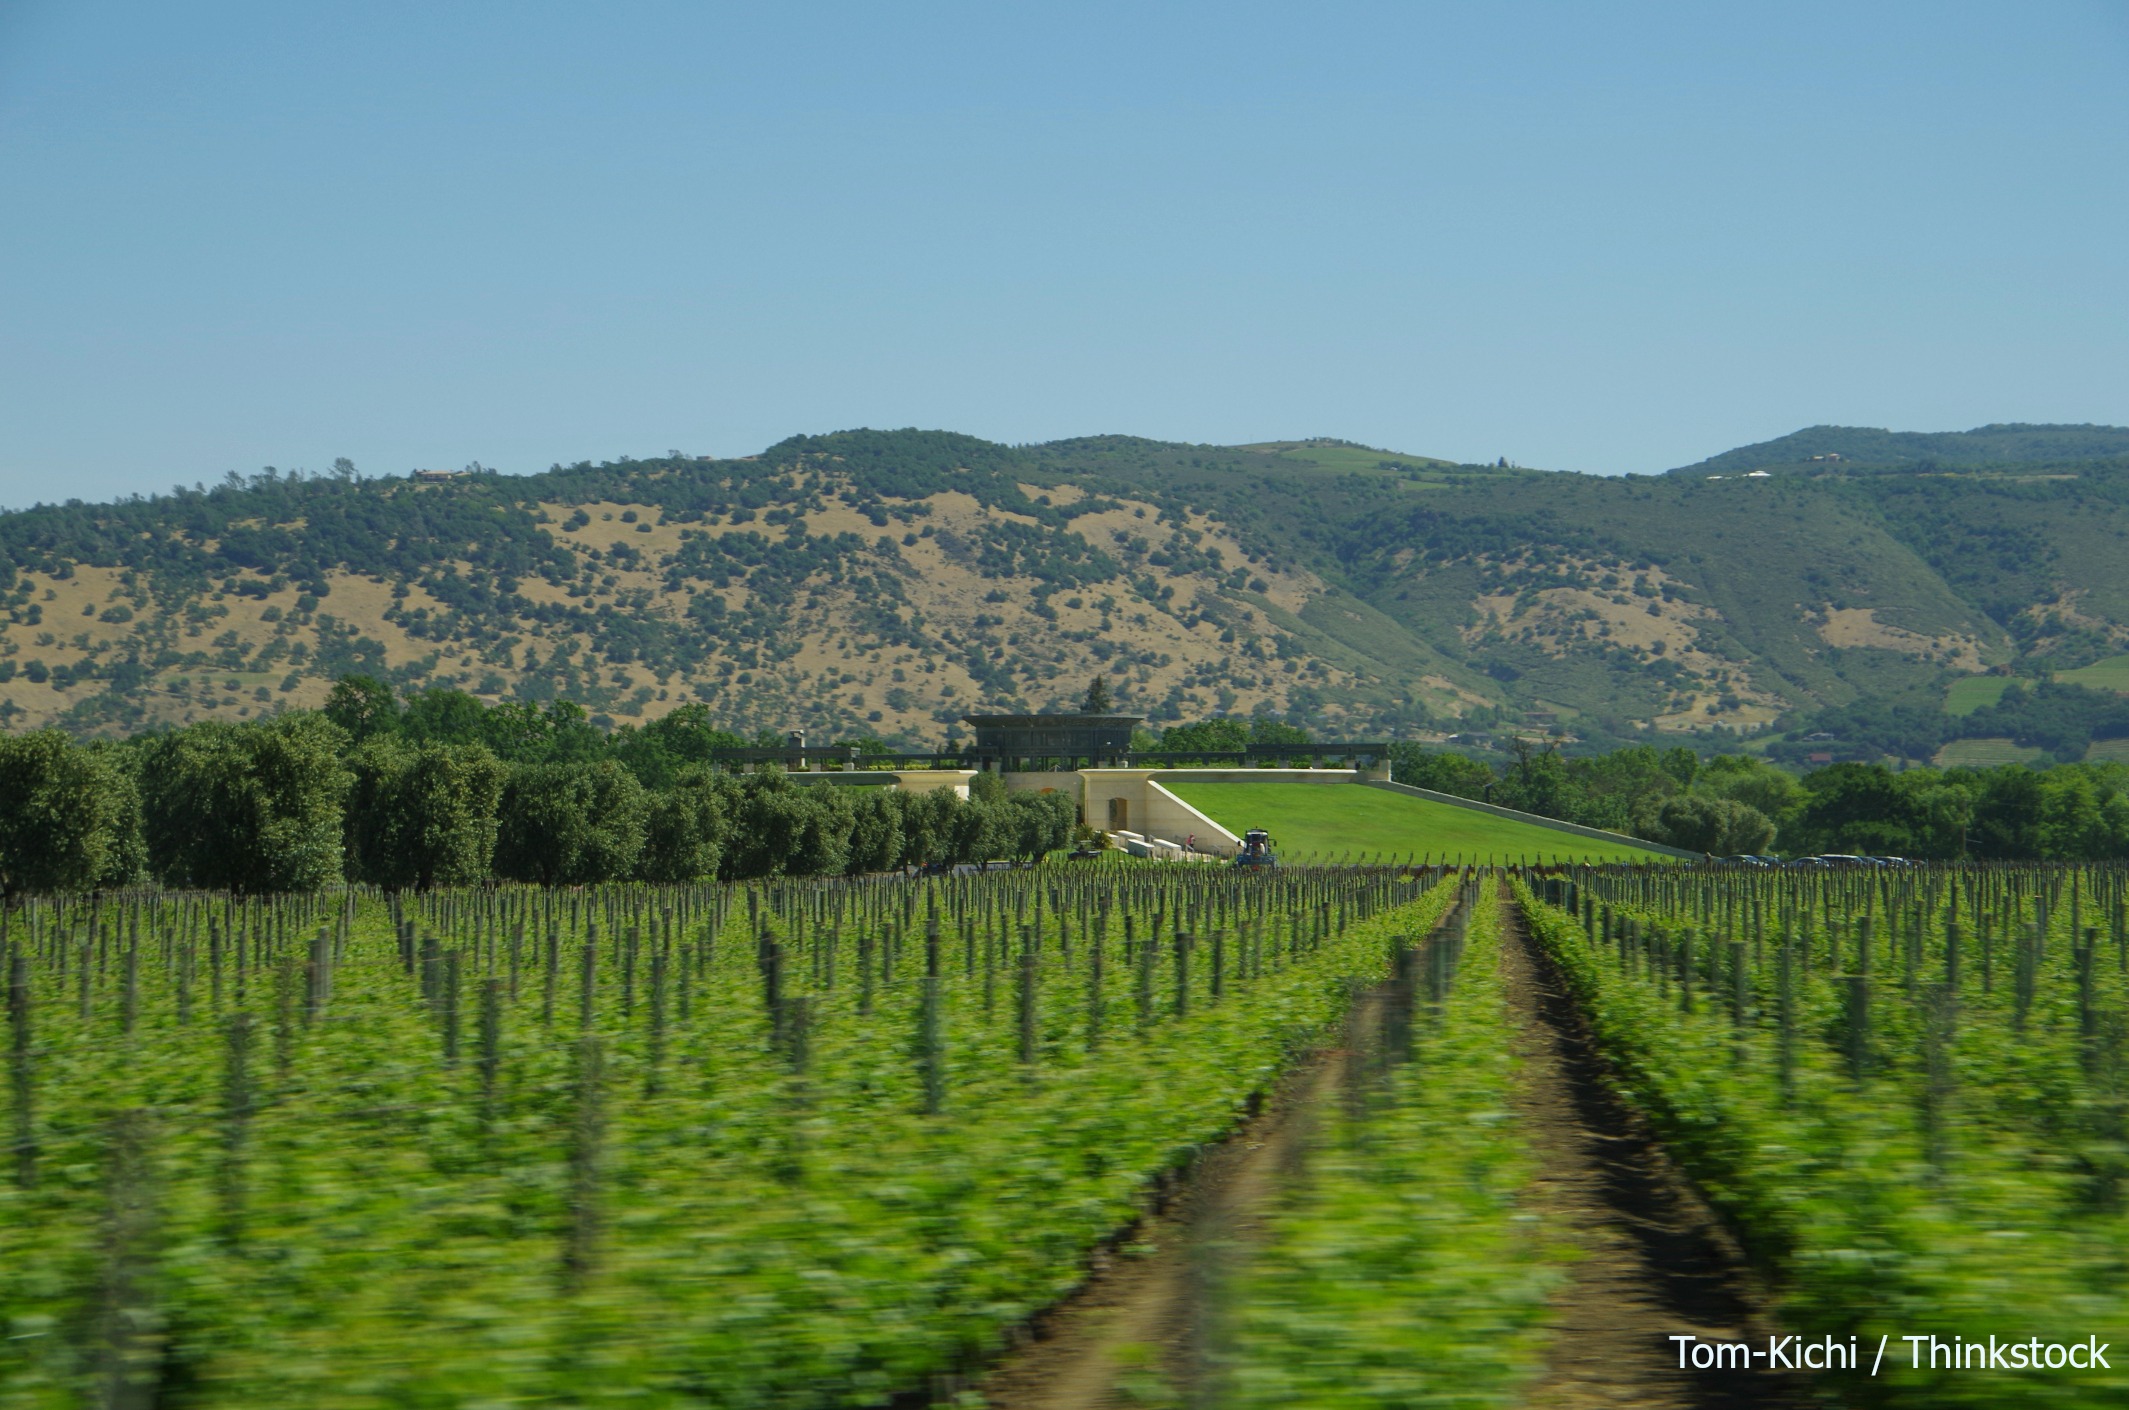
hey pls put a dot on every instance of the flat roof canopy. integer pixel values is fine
(1028, 735)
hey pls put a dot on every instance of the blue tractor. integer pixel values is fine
(1256, 851)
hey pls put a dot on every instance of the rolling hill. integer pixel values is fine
(1985, 447)
(887, 582)
(1326, 822)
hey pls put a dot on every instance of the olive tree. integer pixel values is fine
(875, 831)
(685, 829)
(68, 815)
(249, 808)
(423, 815)
(568, 824)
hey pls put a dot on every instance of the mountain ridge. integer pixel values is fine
(1994, 445)
(885, 582)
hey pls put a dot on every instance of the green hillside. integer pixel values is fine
(889, 582)
(1985, 446)
(2112, 673)
(1329, 820)
(1327, 453)
(1987, 754)
(1970, 693)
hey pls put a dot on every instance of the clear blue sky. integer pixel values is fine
(1600, 237)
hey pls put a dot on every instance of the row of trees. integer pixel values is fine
(1735, 803)
(293, 803)
(443, 789)
(1227, 735)
(2061, 718)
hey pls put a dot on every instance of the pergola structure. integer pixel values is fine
(1020, 743)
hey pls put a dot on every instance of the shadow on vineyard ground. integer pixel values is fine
(1133, 1334)
(1654, 1260)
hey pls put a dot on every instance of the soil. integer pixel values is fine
(1139, 1315)
(1654, 1260)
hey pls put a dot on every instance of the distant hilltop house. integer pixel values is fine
(1829, 455)
(441, 474)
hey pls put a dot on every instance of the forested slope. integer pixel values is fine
(888, 582)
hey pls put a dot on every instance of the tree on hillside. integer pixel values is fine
(249, 808)
(363, 706)
(1872, 727)
(824, 841)
(1754, 782)
(1869, 809)
(66, 814)
(1222, 736)
(2080, 820)
(876, 836)
(1718, 826)
(446, 716)
(1228, 735)
(423, 815)
(930, 830)
(561, 732)
(658, 751)
(1443, 771)
(982, 830)
(2060, 718)
(126, 863)
(685, 831)
(1044, 823)
(1099, 701)
(571, 824)
(1615, 784)
(1266, 730)
(1538, 782)
(780, 828)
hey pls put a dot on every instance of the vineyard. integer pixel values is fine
(1904, 1090)
(788, 1144)
(862, 1142)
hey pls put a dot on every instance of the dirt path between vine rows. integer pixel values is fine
(1655, 1262)
(1139, 1321)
